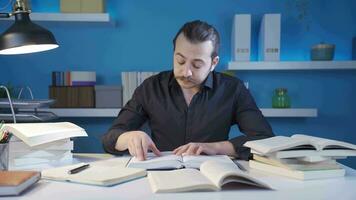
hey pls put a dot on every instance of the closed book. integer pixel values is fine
(73, 97)
(82, 76)
(39, 154)
(14, 182)
(19, 146)
(241, 38)
(83, 83)
(295, 164)
(17, 162)
(297, 174)
(269, 44)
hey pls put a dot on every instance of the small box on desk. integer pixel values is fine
(72, 96)
(108, 96)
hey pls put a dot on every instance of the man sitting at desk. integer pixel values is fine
(190, 110)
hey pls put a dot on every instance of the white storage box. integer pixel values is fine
(108, 96)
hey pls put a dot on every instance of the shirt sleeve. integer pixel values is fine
(130, 118)
(250, 121)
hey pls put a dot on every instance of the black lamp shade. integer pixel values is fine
(26, 37)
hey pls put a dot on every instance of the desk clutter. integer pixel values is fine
(209, 173)
(300, 156)
(34, 144)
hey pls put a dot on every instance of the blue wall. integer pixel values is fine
(141, 40)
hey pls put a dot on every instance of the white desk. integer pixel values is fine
(335, 189)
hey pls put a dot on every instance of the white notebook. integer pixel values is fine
(101, 173)
(211, 177)
(168, 160)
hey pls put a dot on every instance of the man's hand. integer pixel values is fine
(213, 148)
(138, 143)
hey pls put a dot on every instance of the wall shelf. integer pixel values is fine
(293, 65)
(68, 17)
(290, 112)
(113, 112)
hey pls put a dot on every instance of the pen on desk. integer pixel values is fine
(78, 169)
(239, 165)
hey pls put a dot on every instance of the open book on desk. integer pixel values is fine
(168, 160)
(34, 134)
(301, 145)
(213, 176)
(102, 173)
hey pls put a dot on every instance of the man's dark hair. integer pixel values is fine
(199, 31)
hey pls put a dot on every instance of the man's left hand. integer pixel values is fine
(197, 149)
(213, 148)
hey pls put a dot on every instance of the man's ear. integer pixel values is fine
(214, 63)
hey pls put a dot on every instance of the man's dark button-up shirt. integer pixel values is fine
(221, 102)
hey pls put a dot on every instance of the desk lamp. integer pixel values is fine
(24, 36)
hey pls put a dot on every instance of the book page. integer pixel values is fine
(37, 129)
(223, 173)
(275, 143)
(309, 153)
(167, 160)
(180, 180)
(194, 161)
(40, 133)
(322, 143)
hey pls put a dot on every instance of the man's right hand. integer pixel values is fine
(138, 143)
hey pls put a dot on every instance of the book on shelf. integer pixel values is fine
(40, 133)
(299, 145)
(72, 96)
(73, 78)
(213, 176)
(15, 182)
(101, 173)
(168, 160)
(297, 174)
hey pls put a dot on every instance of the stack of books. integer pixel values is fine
(22, 155)
(300, 156)
(40, 144)
(73, 78)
